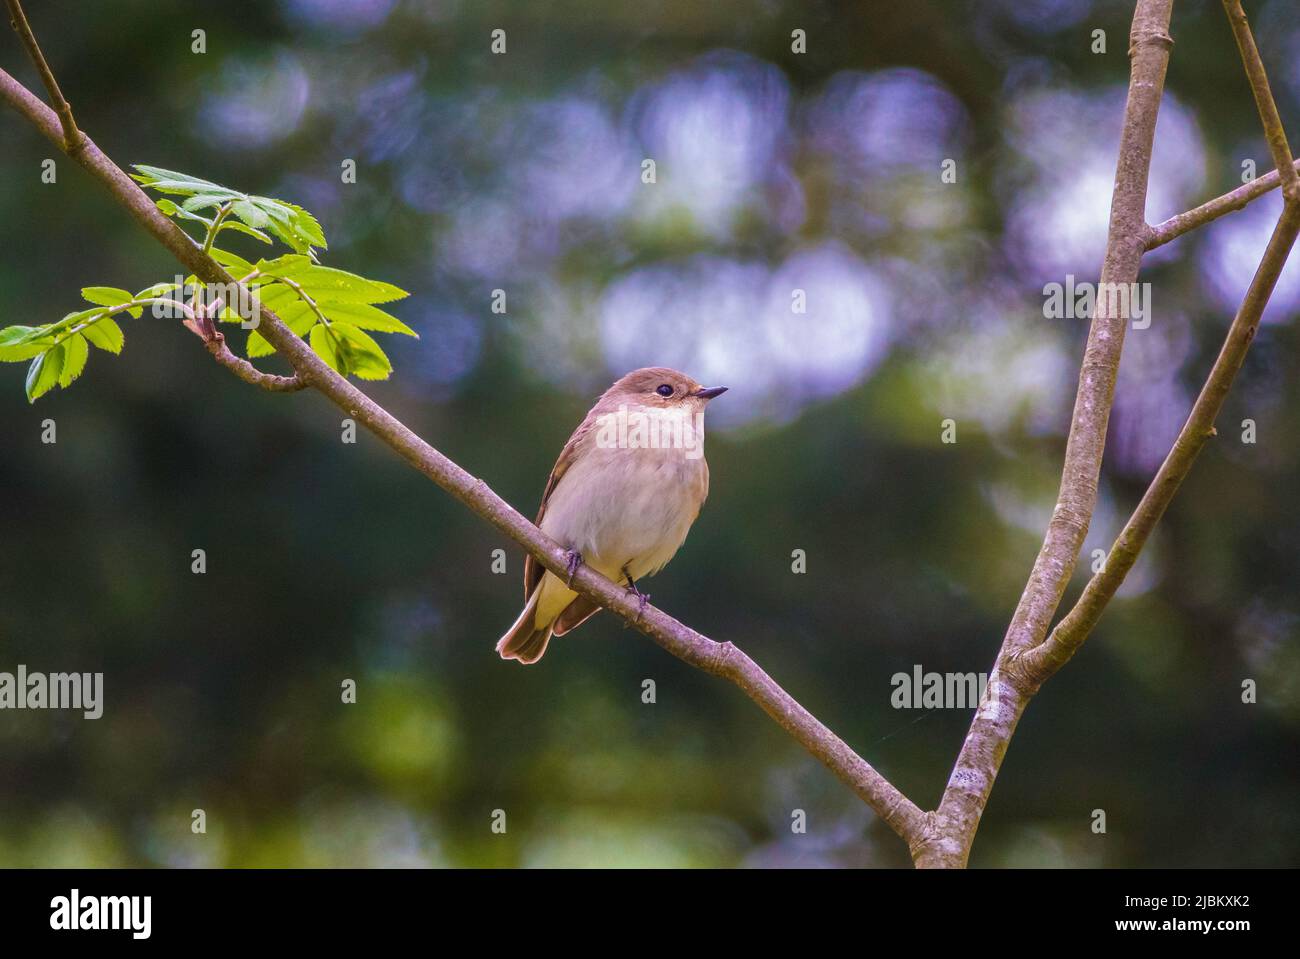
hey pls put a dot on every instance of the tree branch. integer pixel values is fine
(1009, 687)
(1207, 212)
(1074, 628)
(1026, 669)
(1274, 132)
(720, 659)
(249, 373)
(72, 137)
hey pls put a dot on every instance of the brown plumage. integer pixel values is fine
(624, 506)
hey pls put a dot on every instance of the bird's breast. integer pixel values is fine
(629, 507)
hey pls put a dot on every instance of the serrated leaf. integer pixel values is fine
(239, 227)
(157, 290)
(302, 325)
(307, 225)
(327, 285)
(276, 295)
(35, 333)
(105, 295)
(292, 224)
(299, 317)
(360, 354)
(289, 222)
(202, 201)
(236, 265)
(286, 303)
(17, 343)
(72, 319)
(250, 213)
(367, 317)
(171, 209)
(44, 372)
(180, 184)
(106, 335)
(322, 343)
(258, 346)
(283, 265)
(75, 351)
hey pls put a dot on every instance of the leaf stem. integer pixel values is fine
(215, 228)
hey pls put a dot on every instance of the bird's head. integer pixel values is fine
(658, 387)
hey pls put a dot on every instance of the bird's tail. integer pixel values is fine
(526, 640)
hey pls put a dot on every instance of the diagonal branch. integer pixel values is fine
(720, 659)
(1274, 132)
(72, 137)
(953, 825)
(1211, 210)
(987, 742)
(1149, 48)
(1074, 628)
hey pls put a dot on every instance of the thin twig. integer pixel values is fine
(215, 228)
(1074, 628)
(1274, 131)
(249, 373)
(72, 137)
(1207, 212)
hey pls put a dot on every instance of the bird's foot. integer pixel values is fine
(642, 599)
(575, 560)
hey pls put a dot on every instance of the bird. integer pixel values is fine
(624, 493)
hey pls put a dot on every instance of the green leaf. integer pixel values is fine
(105, 295)
(287, 221)
(106, 335)
(288, 305)
(257, 346)
(299, 317)
(157, 290)
(111, 296)
(180, 184)
(35, 333)
(44, 372)
(171, 209)
(72, 319)
(202, 201)
(292, 224)
(323, 343)
(250, 213)
(327, 285)
(75, 351)
(237, 266)
(17, 343)
(367, 317)
(360, 354)
(243, 228)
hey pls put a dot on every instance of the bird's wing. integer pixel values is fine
(533, 570)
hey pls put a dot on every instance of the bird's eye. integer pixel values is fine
(665, 390)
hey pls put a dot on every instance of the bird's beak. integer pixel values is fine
(711, 392)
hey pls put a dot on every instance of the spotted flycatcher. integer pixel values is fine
(623, 494)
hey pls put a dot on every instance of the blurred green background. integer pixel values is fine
(775, 171)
